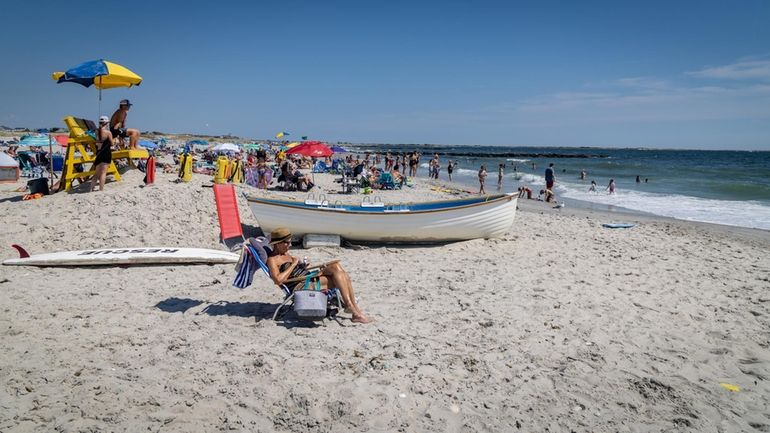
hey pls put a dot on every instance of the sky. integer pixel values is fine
(660, 74)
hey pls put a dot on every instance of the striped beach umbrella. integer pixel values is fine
(34, 140)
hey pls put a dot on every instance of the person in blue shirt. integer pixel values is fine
(550, 177)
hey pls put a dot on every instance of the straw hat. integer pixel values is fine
(279, 235)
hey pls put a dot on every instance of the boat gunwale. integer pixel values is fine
(302, 206)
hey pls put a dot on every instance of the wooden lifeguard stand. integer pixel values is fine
(81, 148)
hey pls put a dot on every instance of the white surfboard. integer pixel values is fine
(127, 256)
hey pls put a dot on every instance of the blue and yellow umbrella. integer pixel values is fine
(100, 73)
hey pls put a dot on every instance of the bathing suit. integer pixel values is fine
(298, 271)
(104, 154)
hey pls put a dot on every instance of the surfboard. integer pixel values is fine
(126, 256)
(618, 225)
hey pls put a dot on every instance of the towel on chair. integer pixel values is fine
(245, 269)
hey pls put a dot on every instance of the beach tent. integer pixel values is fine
(9, 169)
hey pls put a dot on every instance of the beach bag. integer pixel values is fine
(310, 303)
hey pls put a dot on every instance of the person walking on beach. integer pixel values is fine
(611, 186)
(449, 169)
(103, 154)
(482, 179)
(500, 173)
(118, 125)
(550, 177)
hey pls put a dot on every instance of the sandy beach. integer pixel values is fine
(560, 326)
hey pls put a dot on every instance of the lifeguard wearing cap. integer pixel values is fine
(118, 125)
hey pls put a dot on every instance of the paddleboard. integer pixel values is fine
(618, 225)
(126, 256)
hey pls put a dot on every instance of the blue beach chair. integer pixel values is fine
(255, 256)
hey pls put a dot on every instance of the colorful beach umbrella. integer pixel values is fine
(100, 73)
(293, 145)
(226, 147)
(34, 140)
(311, 148)
(63, 140)
(281, 134)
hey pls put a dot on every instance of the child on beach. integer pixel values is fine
(611, 186)
(482, 179)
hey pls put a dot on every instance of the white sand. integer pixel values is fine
(559, 326)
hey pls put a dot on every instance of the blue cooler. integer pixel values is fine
(58, 163)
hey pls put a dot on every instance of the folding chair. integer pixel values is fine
(251, 259)
(229, 218)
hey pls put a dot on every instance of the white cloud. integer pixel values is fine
(741, 70)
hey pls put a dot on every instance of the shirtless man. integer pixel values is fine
(118, 125)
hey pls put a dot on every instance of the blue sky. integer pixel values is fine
(681, 74)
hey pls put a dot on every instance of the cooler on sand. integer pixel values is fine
(39, 185)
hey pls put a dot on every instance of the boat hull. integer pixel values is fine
(393, 223)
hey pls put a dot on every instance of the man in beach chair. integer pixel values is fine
(27, 164)
(270, 254)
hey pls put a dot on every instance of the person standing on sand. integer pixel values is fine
(611, 186)
(550, 177)
(118, 125)
(103, 154)
(482, 179)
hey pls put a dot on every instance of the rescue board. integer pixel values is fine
(124, 256)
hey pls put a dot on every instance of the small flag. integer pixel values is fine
(281, 134)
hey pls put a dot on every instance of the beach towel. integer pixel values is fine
(246, 267)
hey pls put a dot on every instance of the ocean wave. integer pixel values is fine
(734, 213)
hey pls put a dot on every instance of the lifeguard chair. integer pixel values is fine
(81, 148)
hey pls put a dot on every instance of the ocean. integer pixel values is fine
(722, 187)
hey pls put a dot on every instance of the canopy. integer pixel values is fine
(311, 148)
(100, 73)
(226, 147)
(8, 161)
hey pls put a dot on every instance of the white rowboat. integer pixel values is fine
(439, 221)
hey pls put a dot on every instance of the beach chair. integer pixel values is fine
(254, 256)
(27, 164)
(386, 181)
(320, 167)
(230, 228)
